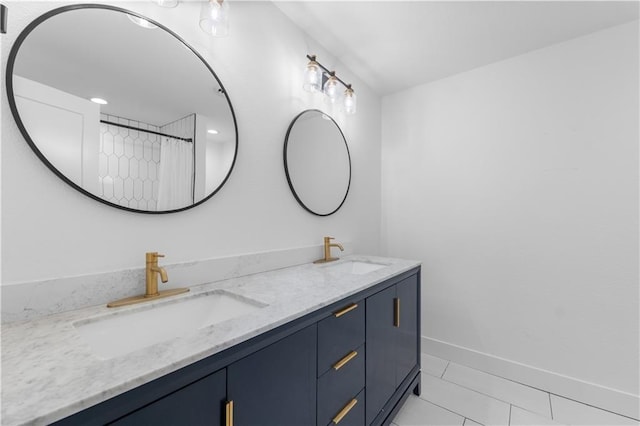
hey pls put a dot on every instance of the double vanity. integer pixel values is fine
(335, 343)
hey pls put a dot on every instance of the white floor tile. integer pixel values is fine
(520, 417)
(418, 412)
(469, 422)
(432, 365)
(505, 390)
(574, 413)
(463, 401)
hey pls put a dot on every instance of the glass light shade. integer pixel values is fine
(312, 77)
(350, 101)
(166, 3)
(142, 22)
(214, 18)
(331, 89)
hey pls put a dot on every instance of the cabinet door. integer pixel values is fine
(407, 332)
(381, 354)
(199, 403)
(277, 384)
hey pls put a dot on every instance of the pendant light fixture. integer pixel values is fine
(214, 18)
(318, 78)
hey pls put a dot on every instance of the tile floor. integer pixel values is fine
(453, 394)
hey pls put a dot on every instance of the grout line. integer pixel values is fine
(471, 420)
(445, 369)
(593, 406)
(546, 391)
(470, 390)
(444, 408)
(495, 398)
(510, 407)
(526, 385)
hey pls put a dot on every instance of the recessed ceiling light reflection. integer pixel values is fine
(99, 101)
(212, 131)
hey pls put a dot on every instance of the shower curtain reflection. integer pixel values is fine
(175, 187)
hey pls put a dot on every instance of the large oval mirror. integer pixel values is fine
(317, 162)
(122, 109)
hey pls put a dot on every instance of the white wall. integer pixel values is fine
(50, 230)
(517, 186)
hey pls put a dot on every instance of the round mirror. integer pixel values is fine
(317, 162)
(122, 109)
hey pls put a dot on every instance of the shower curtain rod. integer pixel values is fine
(146, 131)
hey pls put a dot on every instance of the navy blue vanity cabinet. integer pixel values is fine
(200, 403)
(351, 363)
(276, 385)
(392, 333)
(341, 365)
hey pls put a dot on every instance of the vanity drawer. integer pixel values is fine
(337, 387)
(355, 414)
(339, 334)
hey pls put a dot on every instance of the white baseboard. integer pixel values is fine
(569, 387)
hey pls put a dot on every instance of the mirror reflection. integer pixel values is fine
(317, 162)
(122, 109)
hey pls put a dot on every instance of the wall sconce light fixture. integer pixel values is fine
(318, 78)
(214, 18)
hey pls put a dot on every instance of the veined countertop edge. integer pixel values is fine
(49, 373)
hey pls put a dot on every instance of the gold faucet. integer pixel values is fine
(327, 250)
(151, 293)
(152, 274)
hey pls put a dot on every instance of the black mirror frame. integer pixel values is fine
(286, 166)
(14, 110)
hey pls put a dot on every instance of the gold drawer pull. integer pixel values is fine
(351, 355)
(396, 309)
(229, 413)
(344, 310)
(345, 411)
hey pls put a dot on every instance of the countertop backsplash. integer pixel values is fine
(36, 299)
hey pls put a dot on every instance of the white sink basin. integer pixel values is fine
(126, 331)
(356, 267)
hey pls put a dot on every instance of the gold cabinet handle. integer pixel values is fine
(229, 413)
(345, 411)
(396, 312)
(351, 355)
(344, 310)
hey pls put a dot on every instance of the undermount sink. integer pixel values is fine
(122, 332)
(355, 267)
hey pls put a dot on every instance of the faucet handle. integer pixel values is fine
(329, 238)
(152, 256)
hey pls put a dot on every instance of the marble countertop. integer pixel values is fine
(49, 373)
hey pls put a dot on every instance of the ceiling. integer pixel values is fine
(394, 45)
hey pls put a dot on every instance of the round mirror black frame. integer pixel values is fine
(14, 110)
(286, 166)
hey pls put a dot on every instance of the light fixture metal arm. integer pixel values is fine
(328, 71)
